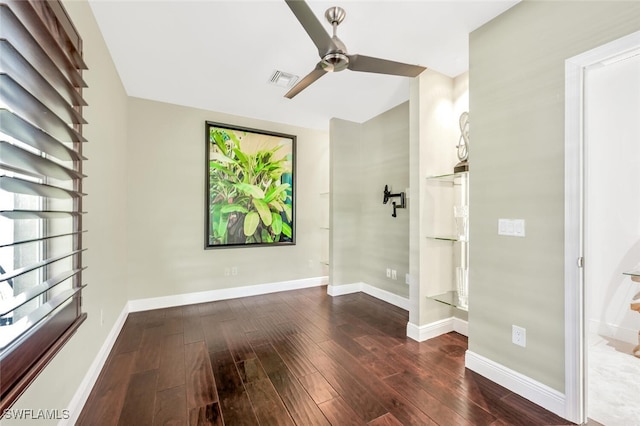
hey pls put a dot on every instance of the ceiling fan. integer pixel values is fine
(333, 52)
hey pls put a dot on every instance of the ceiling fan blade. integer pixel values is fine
(383, 66)
(306, 81)
(312, 26)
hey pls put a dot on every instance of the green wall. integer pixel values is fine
(517, 165)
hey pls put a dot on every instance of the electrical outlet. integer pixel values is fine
(519, 335)
(394, 274)
(388, 272)
(234, 270)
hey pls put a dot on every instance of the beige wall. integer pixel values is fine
(365, 238)
(385, 161)
(105, 220)
(517, 171)
(345, 190)
(166, 199)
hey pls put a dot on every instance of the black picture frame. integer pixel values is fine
(249, 187)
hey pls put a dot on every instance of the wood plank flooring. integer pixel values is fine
(294, 358)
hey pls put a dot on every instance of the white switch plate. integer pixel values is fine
(511, 227)
(394, 274)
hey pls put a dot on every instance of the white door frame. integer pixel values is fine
(575, 321)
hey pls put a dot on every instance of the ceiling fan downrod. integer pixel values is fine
(336, 60)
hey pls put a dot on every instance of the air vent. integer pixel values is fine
(283, 79)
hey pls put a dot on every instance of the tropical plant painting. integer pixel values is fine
(250, 187)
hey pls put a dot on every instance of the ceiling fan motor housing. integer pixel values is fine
(335, 61)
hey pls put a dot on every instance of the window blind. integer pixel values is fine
(41, 194)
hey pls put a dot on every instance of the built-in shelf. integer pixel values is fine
(446, 219)
(634, 274)
(451, 298)
(448, 178)
(446, 238)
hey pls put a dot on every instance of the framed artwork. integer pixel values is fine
(250, 187)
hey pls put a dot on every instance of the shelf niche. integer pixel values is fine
(446, 226)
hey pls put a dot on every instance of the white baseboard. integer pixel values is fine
(378, 293)
(461, 326)
(340, 290)
(386, 296)
(86, 386)
(420, 333)
(524, 386)
(223, 294)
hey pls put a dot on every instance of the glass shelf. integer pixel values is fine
(446, 238)
(634, 274)
(448, 178)
(450, 298)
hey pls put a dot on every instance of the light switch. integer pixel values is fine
(518, 227)
(510, 227)
(502, 226)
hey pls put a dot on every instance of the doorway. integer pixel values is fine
(612, 237)
(602, 231)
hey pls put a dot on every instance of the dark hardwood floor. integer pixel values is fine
(294, 358)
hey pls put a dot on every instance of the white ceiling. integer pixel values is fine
(219, 55)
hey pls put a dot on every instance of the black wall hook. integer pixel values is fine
(388, 195)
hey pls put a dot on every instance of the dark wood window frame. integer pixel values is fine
(41, 119)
